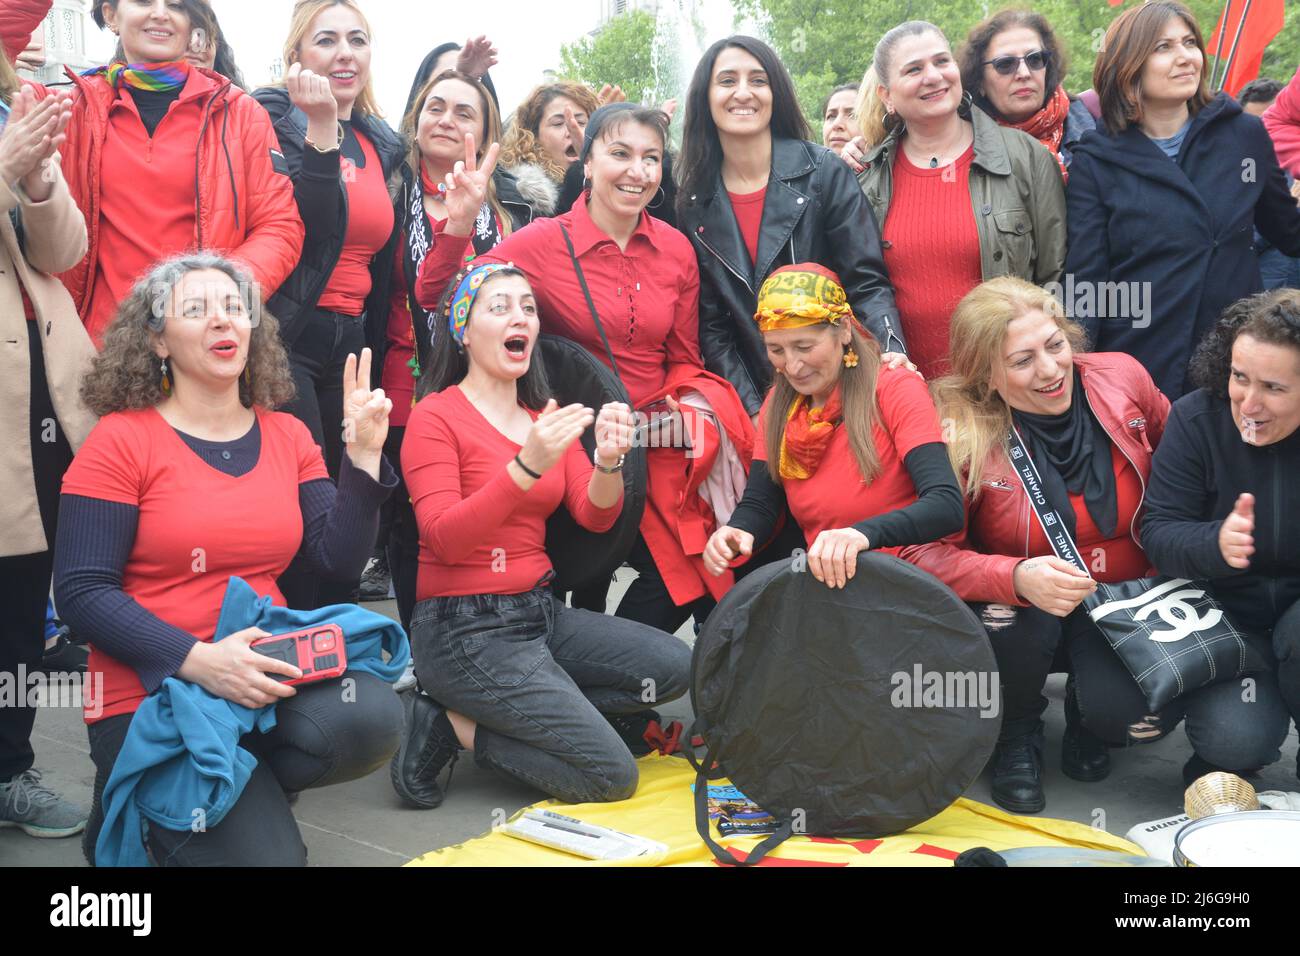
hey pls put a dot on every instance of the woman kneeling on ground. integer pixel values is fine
(488, 456)
(852, 446)
(1089, 422)
(189, 479)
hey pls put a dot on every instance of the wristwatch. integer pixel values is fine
(605, 469)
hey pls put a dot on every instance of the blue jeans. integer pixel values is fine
(537, 677)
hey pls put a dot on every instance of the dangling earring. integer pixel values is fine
(248, 375)
(166, 381)
(850, 357)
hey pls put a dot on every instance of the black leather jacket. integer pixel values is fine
(814, 212)
(323, 204)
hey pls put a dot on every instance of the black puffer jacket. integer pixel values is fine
(1200, 468)
(323, 204)
(814, 212)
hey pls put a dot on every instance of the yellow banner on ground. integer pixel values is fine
(663, 809)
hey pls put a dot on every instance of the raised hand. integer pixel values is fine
(477, 56)
(669, 108)
(552, 433)
(311, 93)
(1237, 533)
(1052, 584)
(833, 557)
(466, 187)
(725, 545)
(365, 415)
(34, 133)
(610, 94)
(614, 428)
(577, 132)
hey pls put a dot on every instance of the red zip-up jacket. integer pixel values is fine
(980, 561)
(244, 201)
(1282, 120)
(18, 21)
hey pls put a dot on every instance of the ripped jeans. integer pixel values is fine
(1230, 726)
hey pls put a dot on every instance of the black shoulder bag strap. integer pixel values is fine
(582, 281)
(1049, 518)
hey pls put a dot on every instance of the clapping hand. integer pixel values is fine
(1237, 533)
(466, 187)
(365, 415)
(552, 433)
(614, 429)
(34, 133)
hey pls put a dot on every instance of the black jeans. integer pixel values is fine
(322, 736)
(25, 579)
(400, 533)
(537, 677)
(1286, 647)
(316, 362)
(1228, 725)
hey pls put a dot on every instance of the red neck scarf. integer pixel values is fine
(808, 433)
(1048, 124)
(427, 181)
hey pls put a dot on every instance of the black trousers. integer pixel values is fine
(316, 362)
(400, 534)
(321, 737)
(25, 579)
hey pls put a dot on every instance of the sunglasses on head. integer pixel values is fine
(1006, 65)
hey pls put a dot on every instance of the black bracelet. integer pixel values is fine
(527, 471)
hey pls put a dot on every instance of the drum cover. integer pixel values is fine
(579, 556)
(822, 704)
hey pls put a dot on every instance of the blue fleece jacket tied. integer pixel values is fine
(181, 765)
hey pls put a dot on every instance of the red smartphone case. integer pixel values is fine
(319, 652)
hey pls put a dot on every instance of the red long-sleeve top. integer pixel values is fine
(480, 533)
(647, 296)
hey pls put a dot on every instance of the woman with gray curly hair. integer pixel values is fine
(192, 477)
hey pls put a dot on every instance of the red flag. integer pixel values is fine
(1263, 22)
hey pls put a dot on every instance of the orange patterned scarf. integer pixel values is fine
(808, 433)
(1048, 124)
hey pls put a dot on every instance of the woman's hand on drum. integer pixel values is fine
(615, 427)
(833, 557)
(467, 186)
(726, 544)
(1237, 533)
(554, 431)
(365, 415)
(1052, 584)
(233, 671)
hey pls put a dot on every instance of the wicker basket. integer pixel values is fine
(1219, 793)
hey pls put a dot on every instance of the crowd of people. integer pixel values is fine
(267, 335)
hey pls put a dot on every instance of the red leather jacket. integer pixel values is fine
(18, 21)
(979, 563)
(243, 194)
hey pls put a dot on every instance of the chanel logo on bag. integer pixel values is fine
(1170, 601)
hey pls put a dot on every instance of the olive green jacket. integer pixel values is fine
(1016, 192)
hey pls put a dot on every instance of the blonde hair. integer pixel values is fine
(975, 417)
(521, 143)
(489, 133)
(857, 398)
(304, 12)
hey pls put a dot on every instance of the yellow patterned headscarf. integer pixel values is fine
(797, 296)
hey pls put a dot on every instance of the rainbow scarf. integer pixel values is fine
(159, 77)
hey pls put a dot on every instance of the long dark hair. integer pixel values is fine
(701, 150)
(974, 52)
(449, 363)
(1269, 317)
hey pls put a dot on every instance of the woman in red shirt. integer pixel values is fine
(851, 445)
(1090, 423)
(200, 148)
(343, 158)
(644, 284)
(188, 479)
(488, 456)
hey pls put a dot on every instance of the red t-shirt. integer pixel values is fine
(835, 496)
(370, 223)
(146, 199)
(932, 252)
(480, 533)
(1111, 560)
(197, 526)
(748, 208)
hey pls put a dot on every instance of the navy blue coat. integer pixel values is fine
(1186, 228)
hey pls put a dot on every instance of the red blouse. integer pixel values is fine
(836, 496)
(480, 533)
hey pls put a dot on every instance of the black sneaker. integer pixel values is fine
(376, 579)
(634, 728)
(1018, 773)
(65, 657)
(428, 745)
(1084, 756)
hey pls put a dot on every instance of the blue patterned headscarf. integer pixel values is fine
(463, 300)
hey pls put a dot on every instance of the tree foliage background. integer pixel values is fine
(828, 42)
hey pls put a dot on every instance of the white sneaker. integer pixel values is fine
(407, 680)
